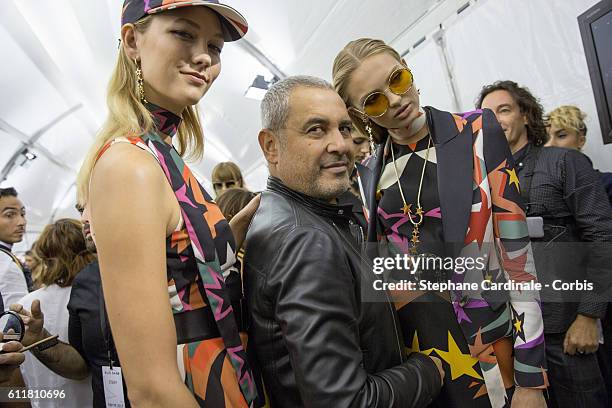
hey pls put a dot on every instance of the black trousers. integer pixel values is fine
(575, 381)
(604, 354)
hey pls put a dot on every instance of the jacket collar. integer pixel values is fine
(454, 169)
(319, 207)
(452, 135)
(6, 246)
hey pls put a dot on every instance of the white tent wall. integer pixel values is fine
(536, 43)
(62, 52)
(430, 76)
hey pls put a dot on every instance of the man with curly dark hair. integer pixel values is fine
(570, 225)
(518, 111)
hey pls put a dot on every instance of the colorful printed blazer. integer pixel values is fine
(481, 216)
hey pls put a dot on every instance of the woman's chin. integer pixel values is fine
(401, 124)
(191, 96)
(408, 121)
(193, 99)
(186, 102)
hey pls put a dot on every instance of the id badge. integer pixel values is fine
(113, 387)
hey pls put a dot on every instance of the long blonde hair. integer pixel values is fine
(345, 63)
(127, 116)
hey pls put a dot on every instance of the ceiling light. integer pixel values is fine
(29, 155)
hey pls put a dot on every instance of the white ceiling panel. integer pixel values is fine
(28, 99)
(9, 145)
(289, 25)
(60, 40)
(67, 140)
(350, 20)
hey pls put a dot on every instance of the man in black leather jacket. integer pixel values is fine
(322, 335)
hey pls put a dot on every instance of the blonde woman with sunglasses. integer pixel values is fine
(443, 186)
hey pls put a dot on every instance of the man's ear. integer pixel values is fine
(128, 41)
(269, 144)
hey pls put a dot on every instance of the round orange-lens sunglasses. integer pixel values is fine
(376, 103)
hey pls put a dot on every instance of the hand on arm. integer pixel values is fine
(241, 221)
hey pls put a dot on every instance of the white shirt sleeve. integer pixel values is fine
(13, 285)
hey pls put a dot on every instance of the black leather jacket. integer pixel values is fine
(317, 343)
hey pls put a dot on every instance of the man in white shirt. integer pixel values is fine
(13, 284)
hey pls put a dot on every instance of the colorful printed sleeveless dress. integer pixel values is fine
(428, 321)
(204, 287)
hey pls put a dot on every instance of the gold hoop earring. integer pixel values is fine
(368, 128)
(140, 83)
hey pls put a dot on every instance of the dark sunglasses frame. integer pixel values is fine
(218, 184)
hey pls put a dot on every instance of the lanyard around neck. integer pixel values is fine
(106, 333)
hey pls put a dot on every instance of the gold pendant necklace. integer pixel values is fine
(407, 208)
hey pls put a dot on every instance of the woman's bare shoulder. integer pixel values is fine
(127, 164)
(127, 176)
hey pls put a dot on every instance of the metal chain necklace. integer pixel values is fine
(407, 208)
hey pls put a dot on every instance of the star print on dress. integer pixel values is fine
(416, 348)
(460, 363)
(513, 179)
(518, 321)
